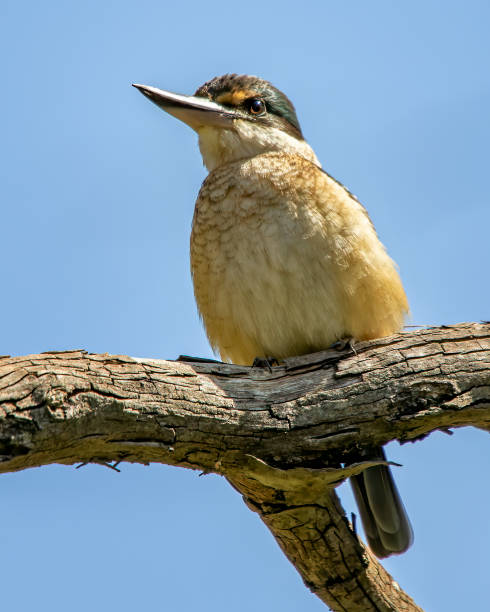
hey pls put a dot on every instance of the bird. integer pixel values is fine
(285, 260)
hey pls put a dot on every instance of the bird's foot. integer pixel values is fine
(191, 359)
(343, 344)
(265, 362)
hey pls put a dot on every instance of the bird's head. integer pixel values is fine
(236, 117)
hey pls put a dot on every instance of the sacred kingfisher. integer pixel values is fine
(285, 261)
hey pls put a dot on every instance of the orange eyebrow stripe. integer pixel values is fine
(236, 97)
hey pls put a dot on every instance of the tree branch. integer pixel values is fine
(279, 437)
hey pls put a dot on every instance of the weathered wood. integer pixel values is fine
(279, 437)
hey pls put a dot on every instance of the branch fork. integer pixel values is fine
(279, 437)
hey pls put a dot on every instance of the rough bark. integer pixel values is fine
(280, 438)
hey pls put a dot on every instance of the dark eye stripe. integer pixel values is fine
(277, 103)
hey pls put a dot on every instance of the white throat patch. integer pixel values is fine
(220, 146)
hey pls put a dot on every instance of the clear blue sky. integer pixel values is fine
(97, 191)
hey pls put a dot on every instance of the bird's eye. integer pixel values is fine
(256, 106)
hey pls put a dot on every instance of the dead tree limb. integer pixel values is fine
(284, 439)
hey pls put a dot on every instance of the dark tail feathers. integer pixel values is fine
(385, 521)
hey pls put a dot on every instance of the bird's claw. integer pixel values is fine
(265, 362)
(343, 344)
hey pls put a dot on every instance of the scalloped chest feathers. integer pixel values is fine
(277, 250)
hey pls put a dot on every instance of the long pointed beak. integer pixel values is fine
(196, 112)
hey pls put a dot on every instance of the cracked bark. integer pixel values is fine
(283, 439)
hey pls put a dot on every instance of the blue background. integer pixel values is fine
(97, 191)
